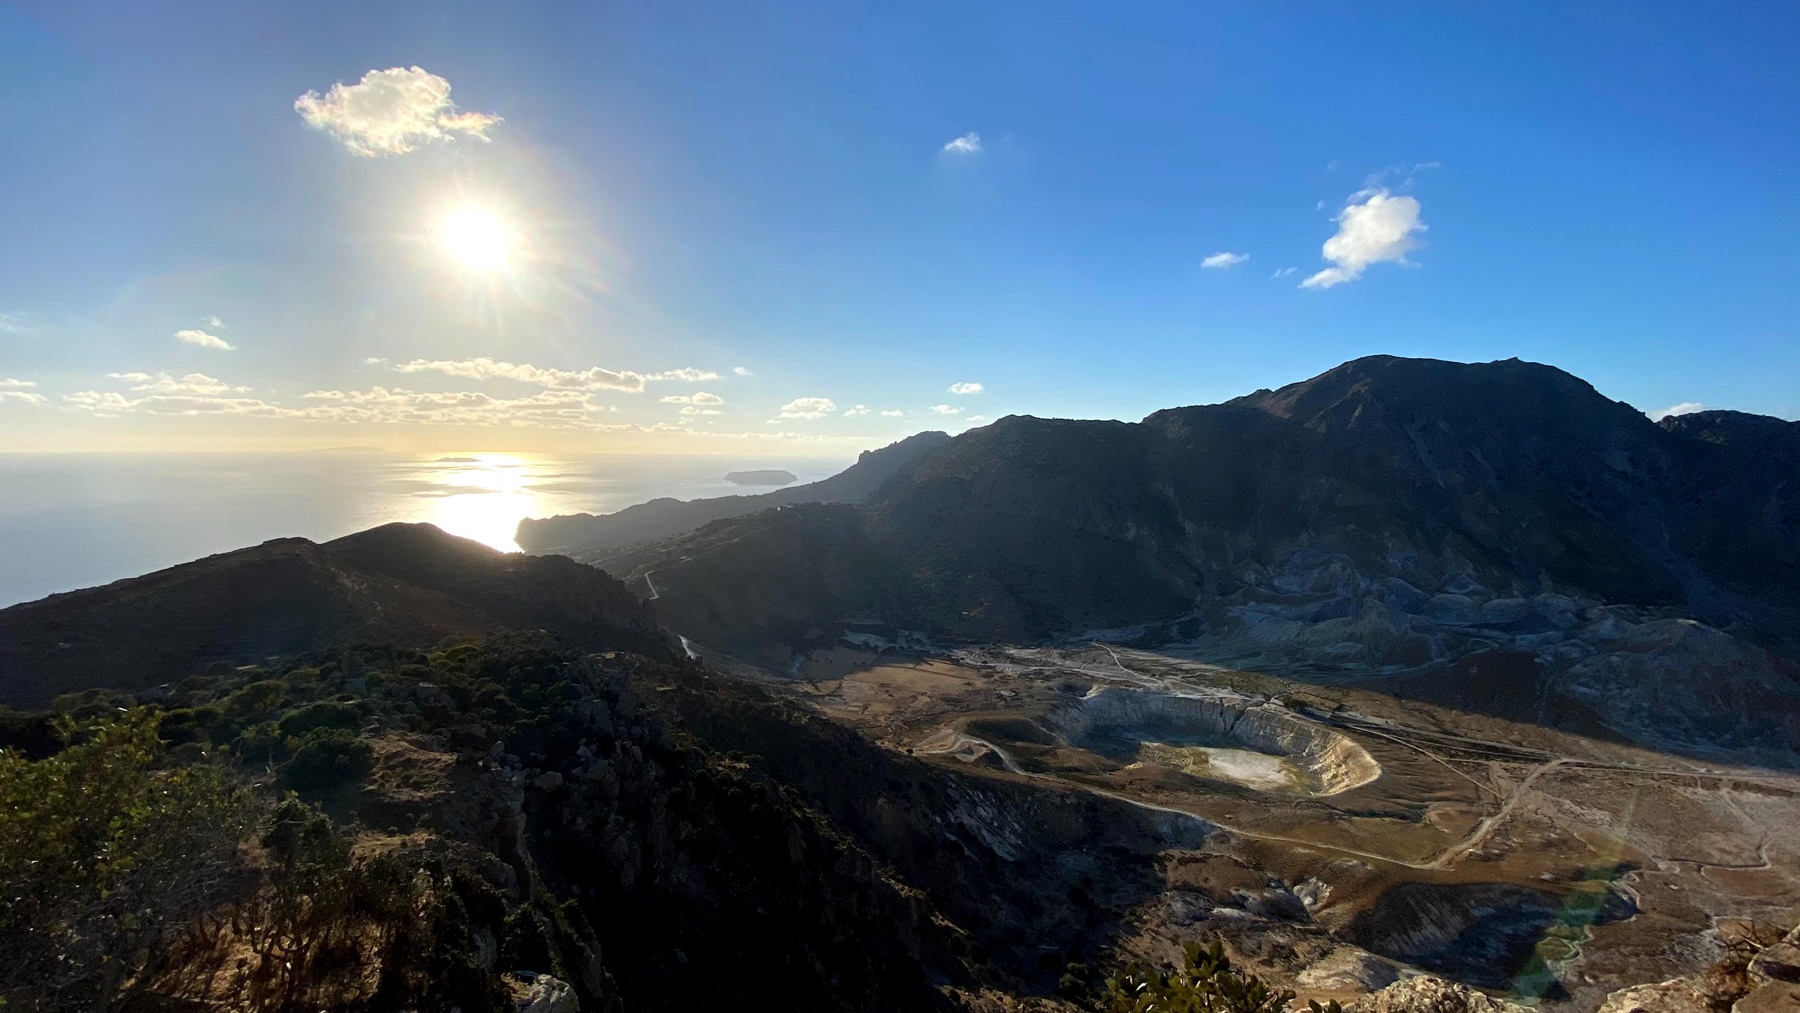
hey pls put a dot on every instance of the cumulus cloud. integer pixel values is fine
(893, 414)
(856, 410)
(806, 408)
(966, 388)
(697, 397)
(190, 385)
(741, 371)
(944, 409)
(14, 390)
(1282, 272)
(390, 112)
(484, 368)
(692, 410)
(1684, 408)
(975, 418)
(967, 144)
(214, 322)
(202, 339)
(8, 383)
(685, 375)
(1224, 259)
(1380, 228)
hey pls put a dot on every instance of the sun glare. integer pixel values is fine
(476, 237)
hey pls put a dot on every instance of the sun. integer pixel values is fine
(476, 237)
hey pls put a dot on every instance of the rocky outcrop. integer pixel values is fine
(1677, 995)
(1434, 995)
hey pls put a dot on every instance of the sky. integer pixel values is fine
(810, 227)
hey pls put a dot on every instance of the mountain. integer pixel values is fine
(590, 537)
(1387, 517)
(408, 585)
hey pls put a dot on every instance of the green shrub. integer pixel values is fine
(106, 852)
(328, 757)
(328, 714)
(1206, 984)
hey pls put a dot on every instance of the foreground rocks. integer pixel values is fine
(1434, 995)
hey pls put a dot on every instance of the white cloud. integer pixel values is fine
(967, 144)
(966, 388)
(944, 409)
(204, 340)
(191, 385)
(697, 397)
(1282, 272)
(1381, 228)
(484, 368)
(215, 323)
(741, 371)
(685, 375)
(8, 383)
(691, 410)
(9, 324)
(1224, 259)
(549, 409)
(389, 112)
(1684, 408)
(23, 396)
(893, 414)
(807, 408)
(975, 418)
(861, 409)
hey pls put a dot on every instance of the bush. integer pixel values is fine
(330, 714)
(1207, 984)
(328, 757)
(105, 854)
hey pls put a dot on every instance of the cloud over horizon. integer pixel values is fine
(1684, 408)
(484, 368)
(202, 339)
(807, 408)
(390, 112)
(1382, 228)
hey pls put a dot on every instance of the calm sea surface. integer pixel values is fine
(76, 520)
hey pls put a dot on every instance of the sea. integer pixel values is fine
(70, 521)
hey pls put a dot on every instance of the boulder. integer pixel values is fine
(1426, 994)
(1677, 995)
(540, 993)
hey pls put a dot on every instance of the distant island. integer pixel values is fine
(762, 478)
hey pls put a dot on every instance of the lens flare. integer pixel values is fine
(476, 237)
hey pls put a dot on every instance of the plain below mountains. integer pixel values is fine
(1390, 518)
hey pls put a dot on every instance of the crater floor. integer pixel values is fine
(1549, 866)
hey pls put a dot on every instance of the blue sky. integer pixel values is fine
(673, 193)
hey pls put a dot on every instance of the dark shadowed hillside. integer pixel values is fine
(590, 537)
(402, 584)
(1428, 509)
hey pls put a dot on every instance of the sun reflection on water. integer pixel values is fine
(481, 496)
